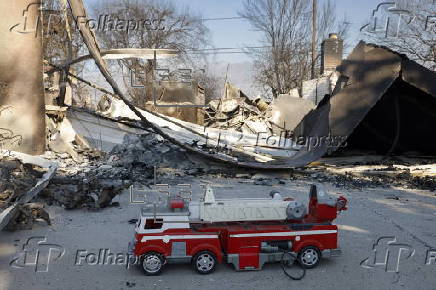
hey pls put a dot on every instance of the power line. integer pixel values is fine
(223, 18)
(222, 50)
(231, 18)
(228, 48)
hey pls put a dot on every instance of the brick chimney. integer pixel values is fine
(331, 53)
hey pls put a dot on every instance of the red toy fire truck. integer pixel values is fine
(244, 232)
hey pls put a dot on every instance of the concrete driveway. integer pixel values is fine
(404, 220)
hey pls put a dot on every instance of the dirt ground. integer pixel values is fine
(406, 215)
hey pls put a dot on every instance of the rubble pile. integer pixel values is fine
(139, 154)
(407, 180)
(85, 184)
(238, 115)
(347, 180)
(237, 112)
(25, 216)
(384, 173)
(16, 179)
(93, 182)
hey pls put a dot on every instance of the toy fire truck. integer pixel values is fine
(244, 232)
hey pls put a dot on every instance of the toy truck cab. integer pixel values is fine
(164, 235)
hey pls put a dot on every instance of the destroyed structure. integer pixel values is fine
(236, 111)
(375, 101)
(382, 102)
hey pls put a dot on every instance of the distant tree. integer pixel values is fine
(168, 26)
(61, 38)
(286, 28)
(62, 43)
(408, 27)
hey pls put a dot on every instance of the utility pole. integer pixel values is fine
(314, 13)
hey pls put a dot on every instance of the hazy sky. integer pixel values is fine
(237, 32)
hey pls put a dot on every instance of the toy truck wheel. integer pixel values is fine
(152, 263)
(309, 257)
(204, 262)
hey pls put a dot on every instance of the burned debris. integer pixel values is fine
(95, 165)
(375, 102)
(22, 179)
(25, 216)
(235, 111)
(16, 179)
(277, 148)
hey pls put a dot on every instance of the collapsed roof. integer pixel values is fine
(382, 102)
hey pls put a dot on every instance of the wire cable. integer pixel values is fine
(287, 263)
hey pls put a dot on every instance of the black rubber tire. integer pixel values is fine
(205, 268)
(152, 256)
(306, 261)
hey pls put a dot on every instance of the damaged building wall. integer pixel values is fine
(331, 58)
(99, 133)
(22, 123)
(290, 109)
(232, 92)
(179, 100)
(188, 114)
(315, 90)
